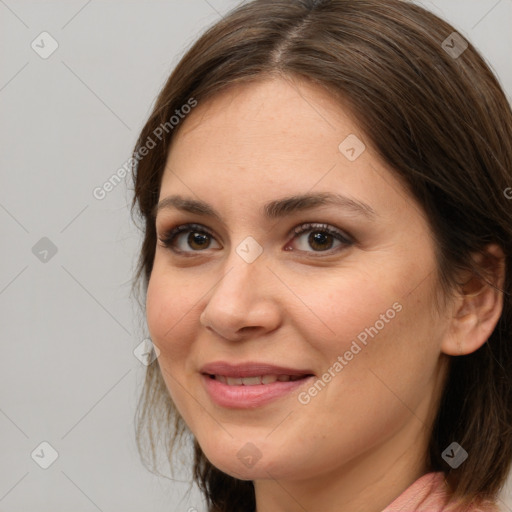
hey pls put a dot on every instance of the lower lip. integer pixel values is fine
(247, 397)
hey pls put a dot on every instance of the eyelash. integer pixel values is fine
(169, 236)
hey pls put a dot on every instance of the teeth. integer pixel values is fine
(251, 381)
(255, 381)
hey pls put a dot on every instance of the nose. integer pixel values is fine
(244, 303)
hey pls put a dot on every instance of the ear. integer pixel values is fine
(478, 305)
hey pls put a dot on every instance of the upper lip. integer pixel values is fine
(250, 369)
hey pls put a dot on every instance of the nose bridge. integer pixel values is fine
(245, 268)
(241, 298)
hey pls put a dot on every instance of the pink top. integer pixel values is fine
(430, 493)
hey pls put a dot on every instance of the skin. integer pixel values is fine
(362, 440)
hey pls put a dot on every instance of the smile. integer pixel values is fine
(252, 392)
(256, 380)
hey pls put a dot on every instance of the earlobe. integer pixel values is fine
(478, 305)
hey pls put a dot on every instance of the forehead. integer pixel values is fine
(269, 115)
(260, 141)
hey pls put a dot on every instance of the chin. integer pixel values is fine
(245, 461)
(238, 458)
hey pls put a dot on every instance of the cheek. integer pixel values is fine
(378, 320)
(169, 314)
(388, 340)
(171, 326)
(339, 308)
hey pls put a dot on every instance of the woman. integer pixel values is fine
(326, 261)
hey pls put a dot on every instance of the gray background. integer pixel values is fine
(68, 375)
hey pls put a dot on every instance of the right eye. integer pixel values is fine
(199, 238)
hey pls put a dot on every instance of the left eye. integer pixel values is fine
(321, 237)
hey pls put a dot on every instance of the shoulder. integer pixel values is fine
(430, 493)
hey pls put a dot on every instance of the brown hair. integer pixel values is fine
(440, 121)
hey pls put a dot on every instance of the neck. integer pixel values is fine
(366, 484)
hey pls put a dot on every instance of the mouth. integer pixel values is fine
(251, 385)
(256, 380)
(252, 369)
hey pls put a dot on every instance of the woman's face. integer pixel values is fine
(348, 302)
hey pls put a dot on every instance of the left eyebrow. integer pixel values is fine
(274, 209)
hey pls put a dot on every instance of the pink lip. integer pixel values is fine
(248, 397)
(245, 397)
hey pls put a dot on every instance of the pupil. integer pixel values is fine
(319, 238)
(192, 239)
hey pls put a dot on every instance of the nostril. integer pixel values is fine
(250, 327)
